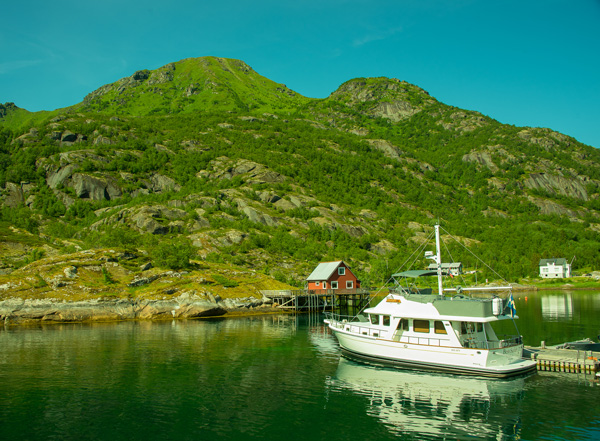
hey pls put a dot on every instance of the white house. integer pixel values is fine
(555, 268)
(454, 268)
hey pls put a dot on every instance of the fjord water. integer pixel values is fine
(279, 377)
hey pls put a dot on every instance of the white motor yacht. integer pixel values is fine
(450, 330)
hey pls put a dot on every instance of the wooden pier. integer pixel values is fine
(322, 300)
(564, 360)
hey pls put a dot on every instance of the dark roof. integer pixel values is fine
(556, 261)
(417, 273)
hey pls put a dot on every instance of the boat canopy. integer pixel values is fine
(418, 273)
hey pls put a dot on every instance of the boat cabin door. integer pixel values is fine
(469, 332)
(402, 326)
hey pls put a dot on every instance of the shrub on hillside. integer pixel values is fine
(173, 254)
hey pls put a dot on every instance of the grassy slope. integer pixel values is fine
(195, 85)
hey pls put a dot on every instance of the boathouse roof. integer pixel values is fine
(324, 270)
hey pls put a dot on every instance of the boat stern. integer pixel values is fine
(505, 356)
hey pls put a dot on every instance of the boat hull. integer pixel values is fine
(498, 364)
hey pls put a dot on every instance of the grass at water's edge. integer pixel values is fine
(559, 284)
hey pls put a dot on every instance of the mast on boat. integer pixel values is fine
(437, 258)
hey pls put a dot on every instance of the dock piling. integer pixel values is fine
(303, 300)
(562, 360)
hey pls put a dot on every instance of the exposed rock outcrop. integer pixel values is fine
(552, 183)
(96, 188)
(156, 219)
(386, 147)
(549, 207)
(261, 218)
(12, 195)
(6, 108)
(150, 219)
(23, 311)
(482, 159)
(399, 101)
(252, 172)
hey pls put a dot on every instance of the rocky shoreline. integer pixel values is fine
(18, 311)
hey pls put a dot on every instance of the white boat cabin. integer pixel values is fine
(430, 332)
(429, 320)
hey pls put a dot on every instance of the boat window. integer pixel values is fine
(467, 327)
(421, 326)
(439, 327)
(374, 319)
(470, 327)
(386, 320)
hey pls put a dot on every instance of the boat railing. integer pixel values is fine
(402, 290)
(506, 342)
(347, 318)
(358, 324)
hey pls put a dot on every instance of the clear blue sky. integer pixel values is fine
(526, 63)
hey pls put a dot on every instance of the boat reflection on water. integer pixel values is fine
(434, 405)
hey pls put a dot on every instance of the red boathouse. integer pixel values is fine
(332, 276)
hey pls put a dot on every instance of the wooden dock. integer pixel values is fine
(564, 360)
(322, 300)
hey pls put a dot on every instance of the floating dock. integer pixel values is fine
(564, 360)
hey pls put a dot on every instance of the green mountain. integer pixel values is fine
(228, 167)
(190, 86)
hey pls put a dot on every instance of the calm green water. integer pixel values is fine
(278, 378)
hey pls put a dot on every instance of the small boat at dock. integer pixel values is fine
(581, 345)
(449, 330)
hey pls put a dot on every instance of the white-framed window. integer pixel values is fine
(317, 283)
(349, 284)
(334, 285)
(341, 271)
(324, 285)
(421, 326)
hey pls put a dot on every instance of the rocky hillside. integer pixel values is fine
(206, 161)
